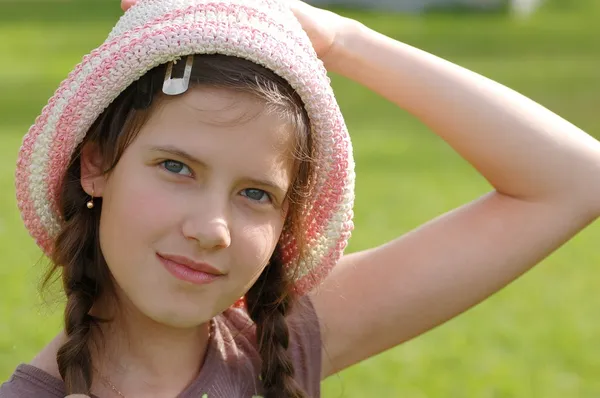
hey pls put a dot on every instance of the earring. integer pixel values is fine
(90, 203)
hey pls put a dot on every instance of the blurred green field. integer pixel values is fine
(536, 338)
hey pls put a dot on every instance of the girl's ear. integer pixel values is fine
(93, 179)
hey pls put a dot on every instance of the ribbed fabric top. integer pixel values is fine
(231, 366)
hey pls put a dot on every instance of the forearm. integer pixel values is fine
(521, 148)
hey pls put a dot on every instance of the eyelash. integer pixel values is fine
(269, 197)
(164, 167)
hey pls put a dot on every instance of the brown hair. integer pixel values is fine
(85, 275)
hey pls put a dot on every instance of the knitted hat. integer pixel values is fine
(155, 32)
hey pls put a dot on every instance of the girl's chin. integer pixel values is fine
(177, 319)
(183, 315)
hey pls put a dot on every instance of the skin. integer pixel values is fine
(545, 175)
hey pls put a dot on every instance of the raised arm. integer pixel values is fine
(545, 173)
(546, 178)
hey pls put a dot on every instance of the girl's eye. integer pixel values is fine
(175, 167)
(257, 195)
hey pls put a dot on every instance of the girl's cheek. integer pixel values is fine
(142, 202)
(261, 240)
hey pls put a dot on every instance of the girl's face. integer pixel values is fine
(206, 180)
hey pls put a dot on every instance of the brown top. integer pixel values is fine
(231, 366)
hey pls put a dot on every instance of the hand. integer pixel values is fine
(323, 27)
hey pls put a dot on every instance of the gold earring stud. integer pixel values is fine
(90, 203)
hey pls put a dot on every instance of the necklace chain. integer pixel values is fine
(110, 385)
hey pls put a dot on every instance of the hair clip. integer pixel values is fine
(175, 86)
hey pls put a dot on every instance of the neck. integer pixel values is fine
(141, 357)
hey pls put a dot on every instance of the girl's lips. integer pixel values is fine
(196, 273)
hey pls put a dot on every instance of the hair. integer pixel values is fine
(85, 274)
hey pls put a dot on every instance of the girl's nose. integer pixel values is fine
(208, 226)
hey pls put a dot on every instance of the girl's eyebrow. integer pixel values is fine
(172, 150)
(179, 153)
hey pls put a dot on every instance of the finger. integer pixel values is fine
(77, 396)
(126, 4)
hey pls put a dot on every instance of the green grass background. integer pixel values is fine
(536, 338)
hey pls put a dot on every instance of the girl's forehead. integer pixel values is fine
(222, 121)
(221, 108)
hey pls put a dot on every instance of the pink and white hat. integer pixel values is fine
(154, 32)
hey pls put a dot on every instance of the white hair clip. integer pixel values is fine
(176, 86)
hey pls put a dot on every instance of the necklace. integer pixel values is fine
(110, 385)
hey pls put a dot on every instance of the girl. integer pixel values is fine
(164, 191)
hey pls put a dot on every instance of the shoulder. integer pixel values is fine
(302, 322)
(236, 335)
(28, 381)
(46, 359)
(39, 378)
(306, 345)
(304, 340)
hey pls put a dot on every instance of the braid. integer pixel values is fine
(269, 300)
(83, 276)
(73, 358)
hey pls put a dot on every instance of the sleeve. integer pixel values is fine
(16, 388)
(30, 382)
(305, 346)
